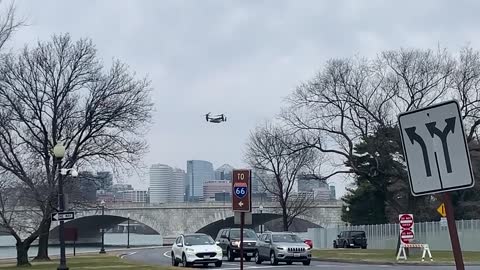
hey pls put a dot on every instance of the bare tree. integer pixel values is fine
(350, 99)
(59, 92)
(269, 152)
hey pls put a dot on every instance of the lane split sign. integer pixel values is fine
(436, 149)
(241, 190)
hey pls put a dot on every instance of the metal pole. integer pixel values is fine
(102, 250)
(452, 228)
(128, 232)
(261, 226)
(242, 224)
(61, 230)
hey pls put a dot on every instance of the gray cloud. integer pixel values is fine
(238, 57)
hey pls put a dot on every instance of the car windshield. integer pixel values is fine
(246, 234)
(288, 238)
(196, 240)
(357, 234)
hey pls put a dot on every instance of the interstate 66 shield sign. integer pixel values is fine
(241, 190)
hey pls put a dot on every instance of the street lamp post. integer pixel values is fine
(348, 210)
(102, 250)
(128, 230)
(59, 152)
(261, 212)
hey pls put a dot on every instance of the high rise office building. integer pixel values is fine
(161, 176)
(224, 172)
(198, 172)
(177, 186)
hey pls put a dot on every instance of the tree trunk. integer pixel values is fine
(22, 254)
(42, 254)
(285, 218)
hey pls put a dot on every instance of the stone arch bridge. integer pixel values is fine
(172, 219)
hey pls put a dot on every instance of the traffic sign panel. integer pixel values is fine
(441, 210)
(405, 221)
(436, 149)
(63, 216)
(406, 236)
(241, 190)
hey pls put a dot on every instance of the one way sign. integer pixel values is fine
(436, 149)
(63, 216)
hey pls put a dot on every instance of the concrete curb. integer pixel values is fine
(426, 263)
(56, 256)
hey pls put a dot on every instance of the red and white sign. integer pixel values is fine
(406, 236)
(406, 221)
(406, 228)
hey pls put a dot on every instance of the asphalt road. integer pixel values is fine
(160, 256)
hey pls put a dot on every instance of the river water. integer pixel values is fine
(112, 241)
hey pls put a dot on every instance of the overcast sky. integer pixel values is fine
(241, 58)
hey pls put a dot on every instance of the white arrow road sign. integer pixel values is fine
(240, 203)
(63, 216)
(436, 149)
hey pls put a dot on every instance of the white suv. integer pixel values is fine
(197, 248)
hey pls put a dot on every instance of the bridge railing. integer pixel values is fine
(329, 203)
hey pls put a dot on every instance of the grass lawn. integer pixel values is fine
(378, 255)
(88, 262)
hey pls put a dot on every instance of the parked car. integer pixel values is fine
(282, 247)
(229, 240)
(351, 239)
(197, 248)
(308, 242)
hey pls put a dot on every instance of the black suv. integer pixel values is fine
(229, 240)
(350, 239)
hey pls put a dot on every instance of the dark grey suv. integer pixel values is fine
(282, 247)
(229, 240)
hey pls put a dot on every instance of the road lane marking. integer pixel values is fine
(129, 254)
(167, 254)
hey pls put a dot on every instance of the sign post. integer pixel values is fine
(437, 156)
(242, 200)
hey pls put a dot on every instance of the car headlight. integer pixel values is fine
(280, 248)
(190, 250)
(236, 243)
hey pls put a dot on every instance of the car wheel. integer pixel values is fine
(289, 263)
(257, 259)
(185, 263)
(273, 259)
(218, 264)
(174, 260)
(364, 247)
(345, 245)
(248, 259)
(335, 244)
(230, 255)
(306, 262)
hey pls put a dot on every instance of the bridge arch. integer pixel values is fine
(298, 225)
(89, 227)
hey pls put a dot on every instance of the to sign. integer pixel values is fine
(63, 216)
(241, 190)
(436, 149)
(406, 236)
